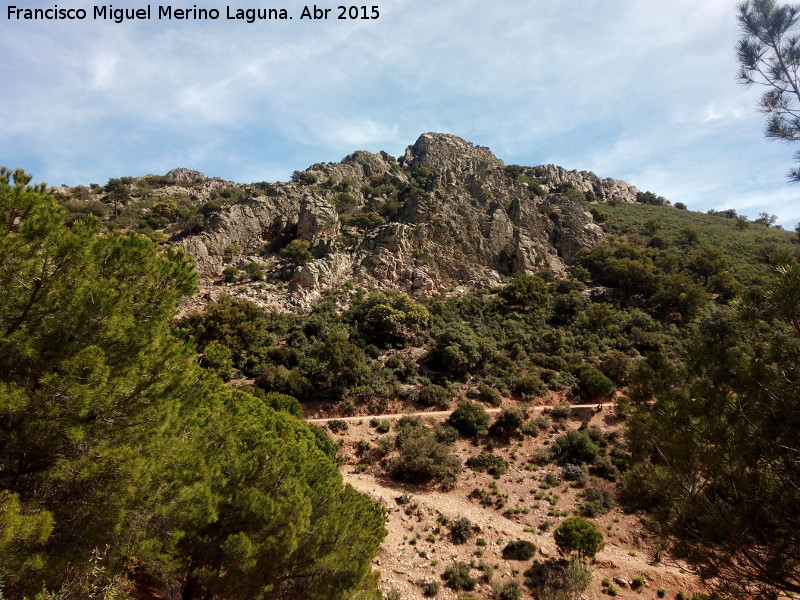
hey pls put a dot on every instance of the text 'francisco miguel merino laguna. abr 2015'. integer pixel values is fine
(170, 13)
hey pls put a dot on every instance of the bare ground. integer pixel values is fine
(417, 547)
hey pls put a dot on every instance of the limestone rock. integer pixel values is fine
(186, 175)
(444, 214)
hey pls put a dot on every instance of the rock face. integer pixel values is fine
(446, 213)
(183, 175)
(603, 190)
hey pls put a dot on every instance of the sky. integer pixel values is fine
(636, 90)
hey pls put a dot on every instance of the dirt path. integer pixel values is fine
(441, 413)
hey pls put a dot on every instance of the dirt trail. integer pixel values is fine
(442, 413)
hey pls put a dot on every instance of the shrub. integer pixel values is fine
(561, 411)
(508, 422)
(457, 577)
(470, 419)
(519, 550)
(304, 177)
(435, 395)
(296, 253)
(338, 425)
(594, 384)
(461, 530)
(597, 501)
(488, 394)
(286, 404)
(574, 447)
(556, 581)
(530, 429)
(578, 536)
(488, 463)
(430, 588)
(445, 434)
(254, 271)
(229, 274)
(510, 590)
(528, 384)
(423, 459)
(573, 472)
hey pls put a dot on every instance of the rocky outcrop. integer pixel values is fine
(183, 175)
(603, 190)
(445, 213)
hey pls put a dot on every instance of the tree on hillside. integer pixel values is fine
(769, 56)
(116, 193)
(118, 450)
(717, 441)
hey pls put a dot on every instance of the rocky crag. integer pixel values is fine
(446, 213)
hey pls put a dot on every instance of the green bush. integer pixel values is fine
(470, 419)
(286, 404)
(229, 274)
(430, 588)
(435, 395)
(304, 177)
(461, 530)
(574, 447)
(457, 577)
(488, 463)
(422, 459)
(338, 425)
(508, 423)
(597, 501)
(296, 253)
(519, 550)
(511, 590)
(578, 536)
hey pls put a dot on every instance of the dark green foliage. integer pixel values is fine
(254, 271)
(296, 253)
(363, 220)
(508, 423)
(282, 402)
(230, 274)
(519, 550)
(575, 447)
(422, 459)
(768, 56)
(338, 425)
(118, 449)
(511, 590)
(457, 350)
(526, 291)
(594, 384)
(578, 536)
(430, 588)
(304, 177)
(390, 318)
(650, 198)
(470, 419)
(727, 416)
(528, 385)
(597, 501)
(558, 580)
(237, 324)
(461, 531)
(457, 577)
(435, 395)
(116, 194)
(488, 463)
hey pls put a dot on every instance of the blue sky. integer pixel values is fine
(630, 89)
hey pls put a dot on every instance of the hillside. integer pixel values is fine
(445, 280)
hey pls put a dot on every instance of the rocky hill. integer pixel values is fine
(445, 213)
